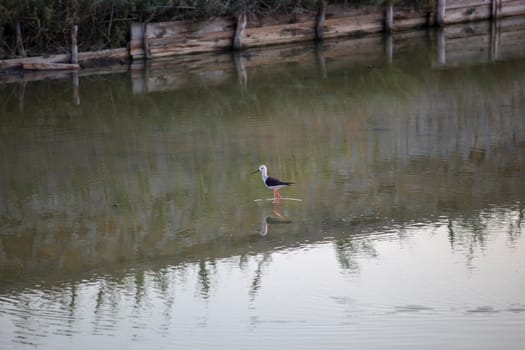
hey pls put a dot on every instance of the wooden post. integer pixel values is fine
(136, 44)
(496, 9)
(494, 41)
(239, 31)
(440, 12)
(145, 45)
(389, 17)
(19, 40)
(321, 14)
(74, 46)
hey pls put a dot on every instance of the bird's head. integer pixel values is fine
(262, 169)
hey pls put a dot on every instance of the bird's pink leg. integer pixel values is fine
(277, 209)
(276, 196)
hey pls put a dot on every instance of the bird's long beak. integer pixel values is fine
(256, 171)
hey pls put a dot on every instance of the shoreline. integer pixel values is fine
(152, 41)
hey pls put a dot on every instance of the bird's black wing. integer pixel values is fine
(272, 181)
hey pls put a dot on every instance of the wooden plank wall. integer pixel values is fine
(456, 45)
(154, 40)
(481, 42)
(122, 53)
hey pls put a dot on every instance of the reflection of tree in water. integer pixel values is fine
(474, 236)
(514, 232)
(108, 304)
(471, 234)
(72, 305)
(354, 239)
(140, 288)
(164, 282)
(105, 299)
(204, 277)
(257, 278)
(349, 248)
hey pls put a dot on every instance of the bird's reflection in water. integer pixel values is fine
(276, 218)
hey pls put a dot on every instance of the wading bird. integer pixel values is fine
(271, 182)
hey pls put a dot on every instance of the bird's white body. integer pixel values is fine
(264, 173)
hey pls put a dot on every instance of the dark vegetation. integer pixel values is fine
(35, 27)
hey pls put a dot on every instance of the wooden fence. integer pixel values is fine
(153, 40)
(454, 45)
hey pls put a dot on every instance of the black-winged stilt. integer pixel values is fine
(271, 182)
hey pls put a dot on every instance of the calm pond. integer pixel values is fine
(132, 220)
